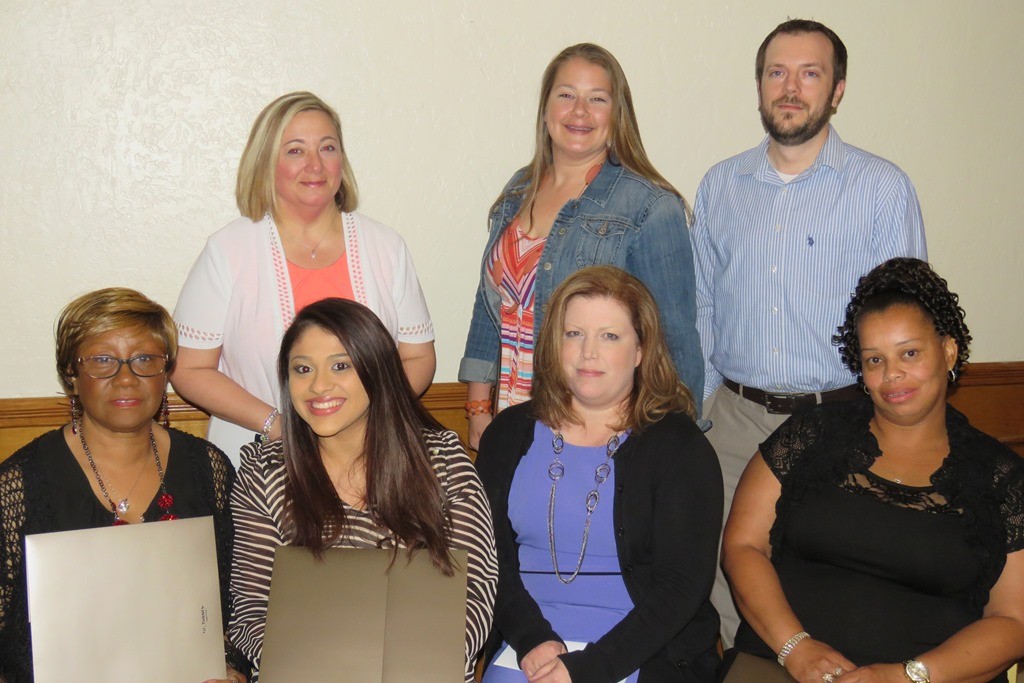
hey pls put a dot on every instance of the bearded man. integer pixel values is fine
(782, 233)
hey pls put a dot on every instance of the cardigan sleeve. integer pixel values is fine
(414, 323)
(686, 497)
(517, 617)
(202, 309)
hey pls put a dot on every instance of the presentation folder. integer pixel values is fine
(126, 603)
(349, 618)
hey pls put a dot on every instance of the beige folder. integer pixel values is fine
(350, 619)
(134, 602)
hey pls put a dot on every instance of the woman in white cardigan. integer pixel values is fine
(298, 241)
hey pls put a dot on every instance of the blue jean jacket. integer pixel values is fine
(623, 220)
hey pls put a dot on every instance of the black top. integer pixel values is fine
(667, 514)
(881, 571)
(43, 489)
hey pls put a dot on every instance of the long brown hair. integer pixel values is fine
(402, 491)
(657, 389)
(625, 146)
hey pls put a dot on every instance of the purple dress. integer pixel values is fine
(596, 600)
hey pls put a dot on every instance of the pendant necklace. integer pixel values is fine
(556, 470)
(165, 500)
(312, 250)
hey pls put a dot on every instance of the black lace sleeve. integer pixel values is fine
(1012, 507)
(15, 656)
(790, 443)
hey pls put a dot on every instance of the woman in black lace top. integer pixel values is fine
(889, 530)
(112, 463)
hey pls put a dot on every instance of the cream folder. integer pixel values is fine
(349, 618)
(125, 603)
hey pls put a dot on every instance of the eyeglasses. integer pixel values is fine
(105, 367)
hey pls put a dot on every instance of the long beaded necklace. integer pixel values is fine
(556, 470)
(165, 500)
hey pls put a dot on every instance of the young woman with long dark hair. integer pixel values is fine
(360, 464)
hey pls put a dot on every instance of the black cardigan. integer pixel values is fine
(667, 515)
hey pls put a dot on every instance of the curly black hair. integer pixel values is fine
(908, 281)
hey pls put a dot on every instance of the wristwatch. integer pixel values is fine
(916, 671)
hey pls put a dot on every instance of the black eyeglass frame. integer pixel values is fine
(124, 361)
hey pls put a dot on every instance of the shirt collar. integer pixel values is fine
(759, 166)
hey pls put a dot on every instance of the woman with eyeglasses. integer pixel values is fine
(113, 463)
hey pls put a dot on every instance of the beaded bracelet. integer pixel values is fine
(265, 432)
(478, 407)
(790, 644)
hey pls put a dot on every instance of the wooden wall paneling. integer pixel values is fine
(990, 394)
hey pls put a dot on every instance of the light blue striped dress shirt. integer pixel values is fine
(776, 262)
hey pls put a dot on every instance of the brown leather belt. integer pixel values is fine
(787, 404)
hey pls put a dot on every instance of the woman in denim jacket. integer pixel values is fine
(589, 197)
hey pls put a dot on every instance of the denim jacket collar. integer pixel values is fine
(599, 191)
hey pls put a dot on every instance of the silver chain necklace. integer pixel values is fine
(556, 470)
(121, 507)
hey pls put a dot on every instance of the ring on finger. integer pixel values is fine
(828, 678)
(839, 671)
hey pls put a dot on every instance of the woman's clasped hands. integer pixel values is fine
(813, 661)
(542, 665)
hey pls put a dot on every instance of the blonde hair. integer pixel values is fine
(625, 146)
(257, 169)
(105, 310)
(657, 389)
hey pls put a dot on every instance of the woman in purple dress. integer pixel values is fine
(606, 497)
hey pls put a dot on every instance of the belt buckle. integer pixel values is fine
(778, 404)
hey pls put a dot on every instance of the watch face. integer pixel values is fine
(917, 671)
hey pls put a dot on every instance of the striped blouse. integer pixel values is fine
(257, 505)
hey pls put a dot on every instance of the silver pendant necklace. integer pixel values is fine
(122, 506)
(556, 470)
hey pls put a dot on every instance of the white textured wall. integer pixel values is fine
(122, 123)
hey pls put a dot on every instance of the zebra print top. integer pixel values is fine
(257, 505)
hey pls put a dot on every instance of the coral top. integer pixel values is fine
(310, 285)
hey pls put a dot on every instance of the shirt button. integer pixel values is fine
(618, 487)
(544, 308)
(561, 231)
(775, 269)
(785, 190)
(778, 228)
(620, 531)
(603, 230)
(627, 569)
(775, 351)
(775, 309)
(547, 266)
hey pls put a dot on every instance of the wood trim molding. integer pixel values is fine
(992, 374)
(990, 394)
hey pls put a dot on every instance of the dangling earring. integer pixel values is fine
(76, 414)
(165, 412)
(952, 375)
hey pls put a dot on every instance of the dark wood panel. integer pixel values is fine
(990, 394)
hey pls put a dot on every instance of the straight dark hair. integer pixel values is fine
(795, 27)
(402, 492)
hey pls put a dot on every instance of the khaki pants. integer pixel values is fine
(738, 427)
